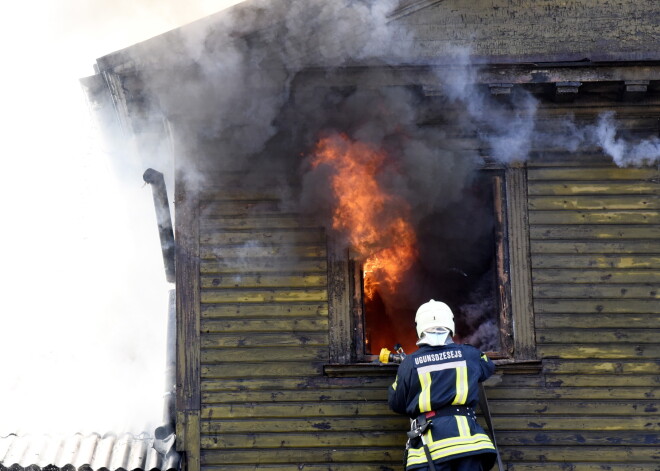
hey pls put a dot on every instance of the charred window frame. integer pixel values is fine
(517, 341)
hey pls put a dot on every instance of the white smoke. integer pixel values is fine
(84, 301)
(624, 152)
(509, 129)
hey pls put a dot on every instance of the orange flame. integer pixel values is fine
(376, 223)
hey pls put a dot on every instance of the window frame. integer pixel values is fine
(346, 318)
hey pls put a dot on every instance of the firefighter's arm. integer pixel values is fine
(487, 367)
(397, 392)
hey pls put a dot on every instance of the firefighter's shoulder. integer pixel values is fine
(471, 350)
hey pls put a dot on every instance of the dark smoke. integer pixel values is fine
(228, 87)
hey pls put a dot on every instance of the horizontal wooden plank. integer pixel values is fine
(211, 209)
(594, 217)
(611, 392)
(536, 423)
(598, 351)
(604, 202)
(584, 365)
(300, 455)
(599, 380)
(243, 354)
(395, 465)
(595, 261)
(391, 422)
(390, 465)
(536, 188)
(594, 231)
(279, 221)
(564, 454)
(228, 192)
(563, 408)
(611, 306)
(277, 340)
(316, 395)
(531, 424)
(261, 237)
(254, 253)
(284, 280)
(592, 174)
(591, 321)
(625, 465)
(319, 324)
(262, 369)
(597, 291)
(292, 410)
(580, 452)
(568, 334)
(601, 276)
(313, 383)
(211, 311)
(307, 440)
(570, 438)
(263, 265)
(595, 247)
(284, 295)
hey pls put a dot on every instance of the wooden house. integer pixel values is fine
(272, 367)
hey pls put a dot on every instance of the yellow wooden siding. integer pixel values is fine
(595, 272)
(264, 341)
(595, 254)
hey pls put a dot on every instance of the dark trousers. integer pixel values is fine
(469, 463)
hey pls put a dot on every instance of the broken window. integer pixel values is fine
(460, 260)
(466, 253)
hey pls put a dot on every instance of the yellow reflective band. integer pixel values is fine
(448, 447)
(425, 395)
(394, 383)
(462, 424)
(461, 386)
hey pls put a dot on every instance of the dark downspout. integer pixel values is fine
(165, 231)
(164, 435)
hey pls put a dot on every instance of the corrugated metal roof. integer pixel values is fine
(79, 452)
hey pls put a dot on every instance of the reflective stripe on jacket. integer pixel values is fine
(433, 378)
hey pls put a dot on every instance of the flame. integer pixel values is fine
(376, 223)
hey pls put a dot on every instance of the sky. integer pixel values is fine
(83, 296)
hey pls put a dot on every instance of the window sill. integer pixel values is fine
(389, 370)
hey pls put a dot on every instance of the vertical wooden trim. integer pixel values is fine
(188, 395)
(356, 285)
(339, 305)
(522, 311)
(502, 259)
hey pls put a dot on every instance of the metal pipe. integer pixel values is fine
(164, 219)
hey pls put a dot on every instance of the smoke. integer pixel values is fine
(84, 301)
(231, 89)
(227, 81)
(623, 152)
(508, 125)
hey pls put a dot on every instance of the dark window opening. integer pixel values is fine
(462, 262)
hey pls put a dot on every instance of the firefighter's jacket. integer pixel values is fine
(433, 379)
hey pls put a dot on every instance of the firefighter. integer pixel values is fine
(437, 387)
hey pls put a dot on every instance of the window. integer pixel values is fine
(469, 269)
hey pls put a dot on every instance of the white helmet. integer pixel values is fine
(434, 314)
